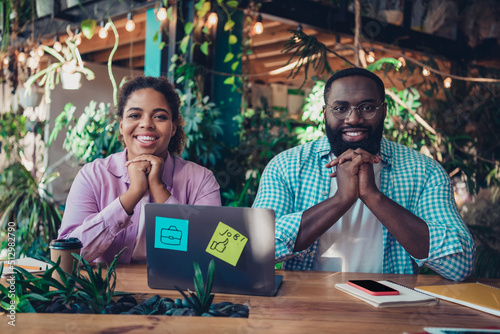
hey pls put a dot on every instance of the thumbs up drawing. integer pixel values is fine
(219, 246)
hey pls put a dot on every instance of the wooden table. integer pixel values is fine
(307, 302)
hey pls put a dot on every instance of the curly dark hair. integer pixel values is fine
(163, 86)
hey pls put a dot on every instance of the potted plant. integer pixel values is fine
(92, 291)
(68, 65)
(26, 201)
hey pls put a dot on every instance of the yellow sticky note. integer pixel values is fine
(227, 244)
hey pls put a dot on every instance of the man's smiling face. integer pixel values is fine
(354, 132)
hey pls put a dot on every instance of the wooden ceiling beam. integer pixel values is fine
(123, 52)
(125, 37)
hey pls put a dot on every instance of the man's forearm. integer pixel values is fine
(318, 219)
(408, 229)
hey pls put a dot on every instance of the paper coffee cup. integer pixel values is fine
(63, 248)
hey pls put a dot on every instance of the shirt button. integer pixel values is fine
(121, 224)
(324, 193)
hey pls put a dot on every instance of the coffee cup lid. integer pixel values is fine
(69, 243)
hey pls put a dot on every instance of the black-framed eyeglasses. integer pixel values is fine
(366, 110)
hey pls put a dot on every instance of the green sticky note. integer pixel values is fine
(227, 244)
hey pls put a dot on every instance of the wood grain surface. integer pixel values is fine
(307, 302)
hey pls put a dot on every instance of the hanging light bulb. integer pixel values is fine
(130, 25)
(39, 50)
(103, 32)
(258, 28)
(161, 14)
(21, 57)
(447, 82)
(402, 61)
(57, 45)
(6, 61)
(212, 20)
(370, 57)
(426, 72)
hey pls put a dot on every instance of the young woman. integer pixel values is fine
(103, 208)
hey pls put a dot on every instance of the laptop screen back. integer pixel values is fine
(239, 240)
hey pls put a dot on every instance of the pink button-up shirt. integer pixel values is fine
(95, 215)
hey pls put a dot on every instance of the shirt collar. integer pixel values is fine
(323, 148)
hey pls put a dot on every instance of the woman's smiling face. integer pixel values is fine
(147, 125)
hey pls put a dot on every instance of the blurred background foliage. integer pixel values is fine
(457, 126)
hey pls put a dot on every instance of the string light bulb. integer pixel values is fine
(370, 57)
(402, 61)
(130, 25)
(6, 61)
(161, 14)
(426, 72)
(57, 45)
(103, 32)
(39, 50)
(447, 82)
(258, 27)
(21, 57)
(212, 20)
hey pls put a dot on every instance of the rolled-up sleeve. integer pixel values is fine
(451, 247)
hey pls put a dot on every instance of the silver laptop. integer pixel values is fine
(239, 240)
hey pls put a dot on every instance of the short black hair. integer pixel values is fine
(163, 86)
(355, 71)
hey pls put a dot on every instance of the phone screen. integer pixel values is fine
(373, 287)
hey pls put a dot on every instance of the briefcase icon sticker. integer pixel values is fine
(171, 233)
(171, 236)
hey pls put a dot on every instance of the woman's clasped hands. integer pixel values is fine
(145, 172)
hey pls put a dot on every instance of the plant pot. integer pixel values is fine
(71, 81)
(44, 7)
(29, 98)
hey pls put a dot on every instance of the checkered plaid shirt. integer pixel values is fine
(297, 179)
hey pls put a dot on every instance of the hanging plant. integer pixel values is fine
(69, 61)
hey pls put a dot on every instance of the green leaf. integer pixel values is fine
(235, 65)
(184, 44)
(379, 63)
(233, 4)
(204, 48)
(229, 57)
(233, 39)
(88, 28)
(198, 280)
(24, 306)
(169, 12)
(229, 25)
(188, 28)
(205, 8)
(210, 278)
(199, 5)
(229, 81)
(161, 45)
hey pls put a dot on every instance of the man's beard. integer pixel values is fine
(371, 144)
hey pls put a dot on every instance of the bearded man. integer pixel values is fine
(354, 201)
